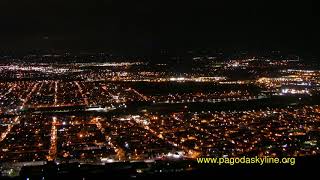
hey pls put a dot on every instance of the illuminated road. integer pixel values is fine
(139, 94)
(7, 131)
(53, 141)
(229, 99)
(120, 152)
(82, 94)
(25, 101)
(55, 93)
(190, 153)
(9, 91)
(16, 120)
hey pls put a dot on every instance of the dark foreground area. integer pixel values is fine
(304, 167)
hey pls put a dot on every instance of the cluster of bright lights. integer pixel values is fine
(294, 91)
(45, 69)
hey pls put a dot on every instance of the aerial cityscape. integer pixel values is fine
(113, 89)
(121, 111)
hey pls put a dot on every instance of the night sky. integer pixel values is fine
(144, 26)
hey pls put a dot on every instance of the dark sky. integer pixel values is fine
(147, 25)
